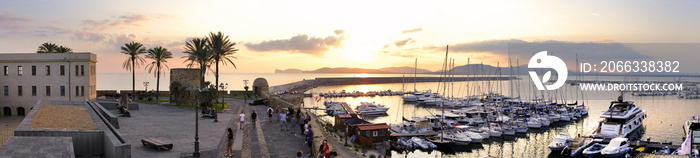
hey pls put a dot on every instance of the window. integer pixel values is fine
(33, 70)
(367, 133)
(33, 90)
(6, 70)
(19, 70)
(48, 90)
(374, 133)
(82, 70)
(63, 70)
(77, 70)
(77, 91)
(383, 133)
(48, 70)
(82, 90)
(6, 90)
(19, 90)
(63, 90)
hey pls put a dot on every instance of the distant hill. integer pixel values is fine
(387, 70)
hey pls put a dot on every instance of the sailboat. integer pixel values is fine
(414, 97)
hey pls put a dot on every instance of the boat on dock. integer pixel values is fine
(621, 119)
(618, 147)
(366, 108)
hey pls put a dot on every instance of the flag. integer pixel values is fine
(686, 146)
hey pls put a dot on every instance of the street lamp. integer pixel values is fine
(196, 118)
(224, 87)
(145, 84)
(245, 95)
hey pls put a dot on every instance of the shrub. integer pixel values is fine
(372, 156)
(140, 97)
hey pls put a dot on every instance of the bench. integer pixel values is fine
(209, 114)
(158, 144)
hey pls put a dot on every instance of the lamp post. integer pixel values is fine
(223, 95)
(245, 95)
(145, 84)
(196, 118)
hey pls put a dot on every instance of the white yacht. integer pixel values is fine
(621, 118)
(410, 98)
(459, 139)
(496, 130)
(618, 147)
(559, 142)
(366, 108)
(534, 123)
(692, 127)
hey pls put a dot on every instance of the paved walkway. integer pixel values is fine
(7, 127)
(176, 125)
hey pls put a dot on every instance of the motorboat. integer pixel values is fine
(496, 130)
(559, 142)
(593, 150)
(508, 130)
(621, 118)
(456, 138)
(366, 108)
(617, 147)
(408, 143)
(576, 146)
(520, 126)
(533, 123)
(476, 137)
(410, 98)
(334, 108)
(422, 143)
(564, 115)
(692, 127)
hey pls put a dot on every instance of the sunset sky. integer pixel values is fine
(308, 35)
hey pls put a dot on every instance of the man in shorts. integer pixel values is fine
(283, 118)
(242, 119)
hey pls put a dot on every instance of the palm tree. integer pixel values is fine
(198, 55)
(62, 49)
(159, 56)
(222, 50)
(47, 48)
(133, 49)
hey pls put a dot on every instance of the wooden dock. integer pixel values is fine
(348, 109)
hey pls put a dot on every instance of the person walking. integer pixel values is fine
(229, 139)
(269, 113)
(241, 118)
(283, 118)
(302, 121)
(253, 116)
(277, 112)
(293, 124)
(310, 140)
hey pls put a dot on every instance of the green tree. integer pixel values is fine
(133, 50)
(47, 48)
(62, 49)
(198, 55)
(222, 49)
(160, 57)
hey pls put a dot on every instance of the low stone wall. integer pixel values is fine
(103, 142)
(164, 93)
(111, 118)
(113, 105)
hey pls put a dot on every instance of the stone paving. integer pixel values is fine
(176, 125)
(7, 127)
(38, 147)
(170, 124)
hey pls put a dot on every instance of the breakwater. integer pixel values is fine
(302, 86)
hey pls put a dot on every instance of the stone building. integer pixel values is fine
(29, 77)
(260, 86)
(187, 77)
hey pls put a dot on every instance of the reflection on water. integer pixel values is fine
(666, 115)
